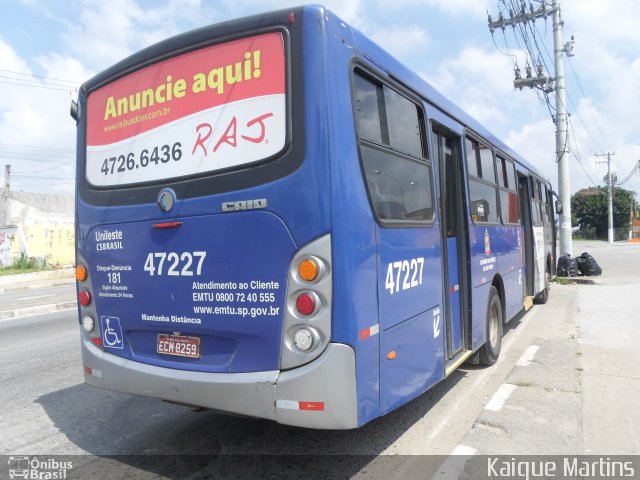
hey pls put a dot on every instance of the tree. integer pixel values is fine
(589, 208)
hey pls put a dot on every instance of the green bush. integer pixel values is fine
(25, 263)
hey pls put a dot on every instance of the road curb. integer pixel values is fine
(29, 286)
(37, 310)
(19, 278)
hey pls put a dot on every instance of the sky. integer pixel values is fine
(48, 48)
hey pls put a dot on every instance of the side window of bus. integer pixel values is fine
(536, 217)
(483, 195)
(509, 206)
(512, 179)
(397, 171)
(544, 205)
(500, 170)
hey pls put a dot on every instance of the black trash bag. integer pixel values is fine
(567, 266)
(588, 265)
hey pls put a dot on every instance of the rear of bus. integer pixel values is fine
(204, 250)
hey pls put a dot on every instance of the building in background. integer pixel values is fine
(36, 225)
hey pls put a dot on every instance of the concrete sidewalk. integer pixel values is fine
(575, 389)
(34, 280)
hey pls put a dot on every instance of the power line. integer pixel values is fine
(20, 159)
(38, 177)
(636, 169)
(30, 147)
(47, 169)
(70, 89)
(595, 118)
(46, 184)
(577, 155)
(41, 76)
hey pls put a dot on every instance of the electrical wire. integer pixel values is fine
(577, 155)
(636, 169)
(70, 90)
(44, 169)
(30, 147)
(529, 40)
(595, 118)
(41, 77)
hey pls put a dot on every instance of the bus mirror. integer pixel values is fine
(73, 111)
(558, 207)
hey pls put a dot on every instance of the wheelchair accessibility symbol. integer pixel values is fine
(111, 332)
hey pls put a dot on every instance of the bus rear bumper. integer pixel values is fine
(321, 394)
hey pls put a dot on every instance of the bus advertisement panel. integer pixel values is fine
(215, 108)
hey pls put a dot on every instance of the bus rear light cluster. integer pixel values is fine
(88, 310)
(307, 322)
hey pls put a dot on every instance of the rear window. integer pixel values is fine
(217, 108)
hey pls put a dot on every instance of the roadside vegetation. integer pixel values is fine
(25, 264)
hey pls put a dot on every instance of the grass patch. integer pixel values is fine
(25, 264)
(580, 369)
(562, 280)
(525, 384)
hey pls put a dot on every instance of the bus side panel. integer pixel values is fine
(411, 325)
(505, 243)
(514, 292)
(417, 362)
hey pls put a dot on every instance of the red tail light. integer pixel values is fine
(84, 297)
(305, 304)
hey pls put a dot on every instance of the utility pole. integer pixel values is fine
(5, 194)
(562, 133)
(547, 85)
(611, 180)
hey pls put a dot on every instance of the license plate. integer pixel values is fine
(179, 345)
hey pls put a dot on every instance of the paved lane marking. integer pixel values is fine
(36, 296)
(502, 394)
(35, 311)
(527, 357)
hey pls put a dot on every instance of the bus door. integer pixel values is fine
(527, 233)
(451, 198)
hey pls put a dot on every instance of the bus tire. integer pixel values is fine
(543, 296)
(490, 351)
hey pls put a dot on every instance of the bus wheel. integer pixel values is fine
(543, 296)
(490, 351)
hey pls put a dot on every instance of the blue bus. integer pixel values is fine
(277, 219)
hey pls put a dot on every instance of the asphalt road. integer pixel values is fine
(48, 410)
(27, 300)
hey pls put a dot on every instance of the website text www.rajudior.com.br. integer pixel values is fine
(138, 118)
